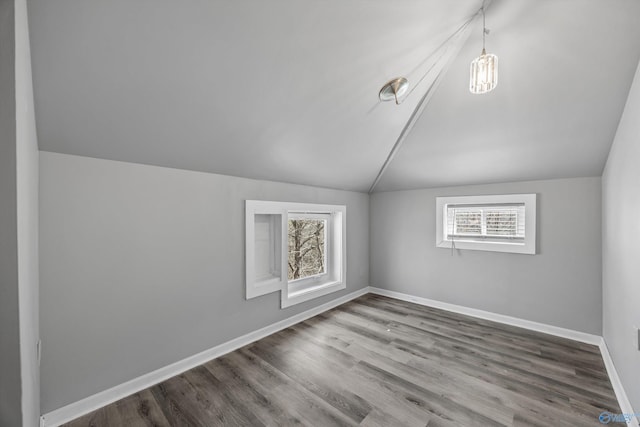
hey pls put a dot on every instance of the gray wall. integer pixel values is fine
(621, 246)
(10, 387)
(27, 199)
(560, 285)
(142, 266)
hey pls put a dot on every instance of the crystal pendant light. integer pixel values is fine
(484, 69)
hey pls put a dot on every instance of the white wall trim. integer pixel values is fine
(487, 315)
(103, 398)
(621, 395)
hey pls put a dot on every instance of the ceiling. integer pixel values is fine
(565, 69)
(287, 90)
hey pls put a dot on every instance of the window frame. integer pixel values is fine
(254, 285)
(482, 243)
(299, 290)
(483, 211)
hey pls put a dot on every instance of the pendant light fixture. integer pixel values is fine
(484, 69)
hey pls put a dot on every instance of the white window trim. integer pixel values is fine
(254, 286)
(528, 246)
(303, 289)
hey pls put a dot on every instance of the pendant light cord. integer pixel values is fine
(417, 111)
(460, 29)
(484, 27)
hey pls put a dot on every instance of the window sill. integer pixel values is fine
(510, 247)
(311, 292)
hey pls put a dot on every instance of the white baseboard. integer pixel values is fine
(487, 315)
(98, 400)
(621, 395)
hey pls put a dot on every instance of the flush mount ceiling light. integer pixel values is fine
(484, 69)
(394, 89)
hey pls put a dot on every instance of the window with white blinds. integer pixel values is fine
(488, 222)
(500, 223)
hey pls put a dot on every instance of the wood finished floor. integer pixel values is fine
(377, 361)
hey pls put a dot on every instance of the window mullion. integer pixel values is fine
(483, 222)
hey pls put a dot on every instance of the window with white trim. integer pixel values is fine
(499, 223)
(307, 236)
(296, 248)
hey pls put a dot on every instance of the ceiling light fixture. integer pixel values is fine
(484, 69)
(394, 89)
(398, 89)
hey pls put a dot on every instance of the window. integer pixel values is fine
(307, 245)
(500, 223)
(296, 248)
(491, 222)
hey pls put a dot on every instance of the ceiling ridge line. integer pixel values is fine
(405, 131)
(417, 112)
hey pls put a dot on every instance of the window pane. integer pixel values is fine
(502, 222)
(468, 222)
(306, 248)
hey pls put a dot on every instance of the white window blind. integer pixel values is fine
(496, 223)
(491, 222)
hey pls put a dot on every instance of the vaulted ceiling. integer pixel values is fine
(287, 90)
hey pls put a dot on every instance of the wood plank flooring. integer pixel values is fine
(377, 361)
